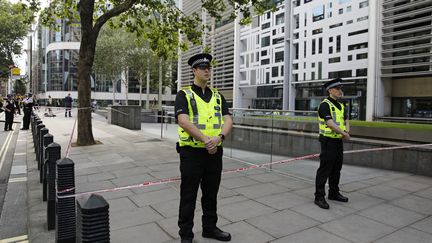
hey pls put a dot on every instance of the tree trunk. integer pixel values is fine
(114, 90)
(127, 85)
(148, 85)
(140, 90)
(160, 85)
(85, 63)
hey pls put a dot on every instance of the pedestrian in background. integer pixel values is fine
(27, 109)
(333, 130)
(9, 109)
(204, 121)
(68, 105)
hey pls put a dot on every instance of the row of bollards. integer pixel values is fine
(86, 222)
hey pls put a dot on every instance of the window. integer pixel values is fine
(280, 18)
(306, 1)
(349, 57)
(295, 66)
(279, 56)
(330, 49)
(320, 44)
(304, 65)
(304, 76)
(267, 78)
(341, 11)
(257, 56)
(338, 43)
(318, 13)
(362, 18)
(297, 21)
(296, 77)
(361, 72)
(313, 64)
(329, 14)
(319, 70)
(265, 41)
(362, 56)
(335, 25)
(275, 71)
(350, 21)
(349, 9)
(364, 4)
(265, 61)
(357, 46)
(265, 26)
(358, 32)
(296, 36)
(304, 49)
(264, 53)
(340, 74)
(255, 22)
(313, 47)
(334, 60)
(313, 75)
(330, 39)
(274, 32)
(317, 31)
(282, 71)
(344, 1)
(305, 33)
(305, 19)
(278, 40)
(268, 15)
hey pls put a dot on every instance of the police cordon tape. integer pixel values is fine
(175, 179)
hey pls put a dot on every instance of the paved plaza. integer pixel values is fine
(255, 206)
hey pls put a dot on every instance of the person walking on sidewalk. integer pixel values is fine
(9, 113)
(68, 105)
(333, 130)
(27, 109)
(204, 121)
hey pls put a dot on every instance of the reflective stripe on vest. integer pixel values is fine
(337, 117)
(207, 117)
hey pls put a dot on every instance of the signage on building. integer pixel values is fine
(16, 71)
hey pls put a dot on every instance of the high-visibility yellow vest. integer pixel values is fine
(207, 117)
(338, 118)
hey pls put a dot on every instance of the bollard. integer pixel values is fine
(37, 145)
(93, 219)
(53, 151)
(47, 140)
(65, 207)
(38, 121)
(42, 133)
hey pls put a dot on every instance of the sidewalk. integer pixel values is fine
(255, 206)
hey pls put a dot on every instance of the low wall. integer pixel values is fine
(127, 116)
(297, 143)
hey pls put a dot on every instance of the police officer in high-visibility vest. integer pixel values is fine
(333, 130)
(204, 121)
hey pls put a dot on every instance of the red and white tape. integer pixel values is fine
(175, 179)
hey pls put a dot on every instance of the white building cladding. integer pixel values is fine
(285, 56)
(220, 39)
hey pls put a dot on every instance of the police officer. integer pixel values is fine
(9, 109)
(27, 108)
(333, 129)
(204, 121)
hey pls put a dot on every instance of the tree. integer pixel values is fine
(15, 20)
(112, 54)
(158, 21)
(20, 86)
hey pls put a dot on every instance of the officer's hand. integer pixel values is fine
(212, 151)
(345, 136)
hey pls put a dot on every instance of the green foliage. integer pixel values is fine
(15, 20)
(20, 87)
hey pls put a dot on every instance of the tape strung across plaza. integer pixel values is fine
(175, 179)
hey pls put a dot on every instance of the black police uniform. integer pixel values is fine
(27, 108)
(9, 114)
(331, 157)
(198, 167)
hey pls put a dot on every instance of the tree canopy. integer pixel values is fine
(15, 21)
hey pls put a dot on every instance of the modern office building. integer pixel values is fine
(219, 38)
(382, 49)
(54, 70)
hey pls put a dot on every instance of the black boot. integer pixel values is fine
(217, 234)
(321, 202)
(337, 197)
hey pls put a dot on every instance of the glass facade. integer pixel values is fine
(62, 74)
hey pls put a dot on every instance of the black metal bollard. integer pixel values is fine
(37, 145)
(37, 122)
(46, 140)
(65, 207)
(53, 151)
(93, 219)
(42, 133)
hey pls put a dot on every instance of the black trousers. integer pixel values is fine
(26, 118)
(198, 167)
(331, 159)
(9, 116)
